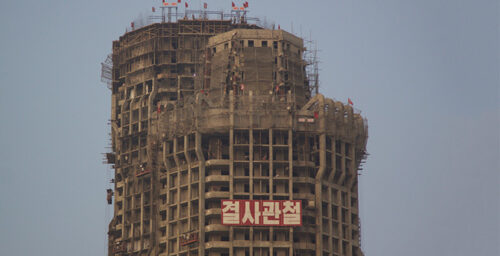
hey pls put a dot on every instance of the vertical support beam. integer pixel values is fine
(167, 188)
(353, 175)
(231, 160)
(342, 177)
(177, 188)
(154, 211)
(125, 206)
(334, 160)
(271, 183)
(201, 194)
(290, 176)
(290, 161)
(188, 196)
(331, 199)
(330, 222)
(250, 148)
(319, 176)
(141, 216)
(250, 162)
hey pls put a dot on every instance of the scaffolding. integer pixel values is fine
(106, 71)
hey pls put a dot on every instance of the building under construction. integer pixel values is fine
(211, 109)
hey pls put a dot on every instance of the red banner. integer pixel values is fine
(261, 212)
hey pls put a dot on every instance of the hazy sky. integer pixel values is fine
(425, 73)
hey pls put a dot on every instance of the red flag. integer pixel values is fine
(163, 1)
(153, 9)
(233, 4)
(316, 114)
(349, 101)
(245, 4)
(279, 26)
(178, 1)
(132, 24)
(205, 5)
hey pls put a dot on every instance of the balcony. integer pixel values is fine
(216, 162)
(217, 194)
(213, 211)
(304, 246)
(303, 180)
(216, 228)
(308, 196)
(303, 163)
(217, 178)
(217, 244)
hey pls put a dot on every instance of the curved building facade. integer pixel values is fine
(207, 110)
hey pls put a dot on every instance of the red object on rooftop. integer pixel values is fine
(186, 4)
(205, 5)
(132, 24)
(349, 101)
(232, 3)
(153, 9)
(178, 1)
(245, 4)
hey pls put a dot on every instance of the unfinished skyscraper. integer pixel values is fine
(212, 115)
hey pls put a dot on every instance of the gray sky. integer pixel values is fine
(425, 73)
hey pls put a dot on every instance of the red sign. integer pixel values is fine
(261, 212)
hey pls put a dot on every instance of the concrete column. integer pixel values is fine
(201, 195)
(231, 159)
(319, 177)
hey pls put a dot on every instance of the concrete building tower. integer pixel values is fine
(207, 111)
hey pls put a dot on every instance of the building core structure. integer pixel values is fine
(205, 110)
